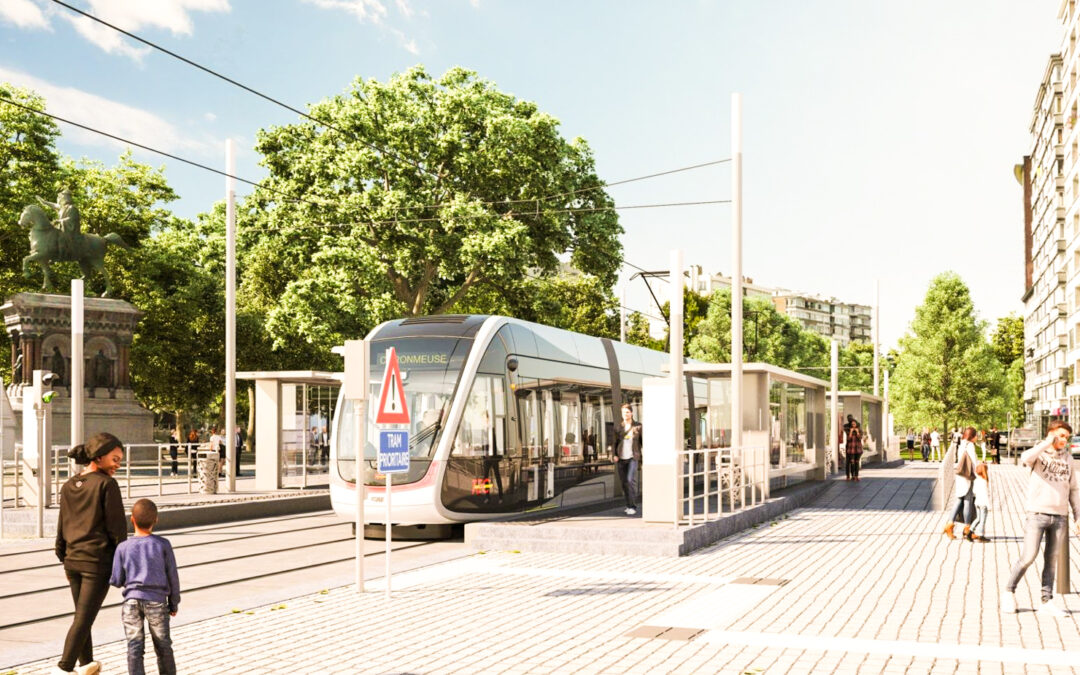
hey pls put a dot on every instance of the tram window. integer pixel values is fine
(529, 416)
(568, 416)
(494, 359)
(482, 431)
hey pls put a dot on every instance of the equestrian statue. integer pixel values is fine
(64, 242)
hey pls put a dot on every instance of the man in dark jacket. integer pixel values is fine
(626, 448)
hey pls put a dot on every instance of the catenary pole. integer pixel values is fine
(230, 315)
(77, 363)
(736, 272)
(877, 330)
(676, 368)
(622, 313)
(834, 408)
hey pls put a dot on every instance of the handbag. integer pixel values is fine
(964, 469)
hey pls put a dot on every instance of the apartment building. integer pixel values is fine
(1051, 223)
(831, 318)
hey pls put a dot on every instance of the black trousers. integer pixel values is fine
(851, 466)
(88, 591)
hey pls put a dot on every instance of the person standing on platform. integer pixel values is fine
(174, 446)
(964, 511)
(90, 526)
(238, 443)
(935, 446)
(926, 444)
(853, 445)
(627, 451)
(217, 444)
(981, 492)
(911, 443)
(994, 440)
(1052, 488)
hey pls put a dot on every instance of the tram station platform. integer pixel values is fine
(180, 508)
(609, 531)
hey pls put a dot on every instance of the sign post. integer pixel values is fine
(393, 444)
(357, 365)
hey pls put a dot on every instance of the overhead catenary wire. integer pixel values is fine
(373, 146)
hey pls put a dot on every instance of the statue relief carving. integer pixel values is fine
(58, 366)
(100, 371)
(62, 241)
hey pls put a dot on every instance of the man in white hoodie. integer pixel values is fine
(1052, 488)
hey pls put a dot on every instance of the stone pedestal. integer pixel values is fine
(39, 325)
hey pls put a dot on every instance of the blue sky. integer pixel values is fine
(879, 137)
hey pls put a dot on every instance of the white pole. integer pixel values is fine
(886, 432)
(834, 409)
(675, 334)
(622, 315)
(877, 330)
(358, 421)
(736, 272)
(230, 315)
(77, 363)
(389, 484)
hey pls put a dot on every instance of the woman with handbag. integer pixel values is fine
(965, 480)
(853, 448)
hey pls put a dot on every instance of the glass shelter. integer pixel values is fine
(866, 409)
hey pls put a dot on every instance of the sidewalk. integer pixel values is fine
(861, 580)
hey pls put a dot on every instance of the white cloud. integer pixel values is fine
(407, 43)
(210, 117)
(23, 13)
(116, 118)
(131, 15)
(405, 9)
(365, 11)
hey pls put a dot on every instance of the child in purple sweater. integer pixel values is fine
(145, 567)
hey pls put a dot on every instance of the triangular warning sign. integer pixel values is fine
(392, 407)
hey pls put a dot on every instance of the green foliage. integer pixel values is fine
(370, 237)
(856, 362)
(768, 336)
(1008, 340)
(637, 332)
(947, 373)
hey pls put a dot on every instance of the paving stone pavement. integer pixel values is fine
(861, 581)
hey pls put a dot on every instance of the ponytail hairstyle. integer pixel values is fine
(98, 446)
(982, 471)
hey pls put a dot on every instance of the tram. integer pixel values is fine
(506, 416)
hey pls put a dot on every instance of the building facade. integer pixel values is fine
(831, 318)
(1051, 222)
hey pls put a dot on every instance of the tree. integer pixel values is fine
(1008, 340)
(856, 362)
(637, 332)
(947, 373)
(423, 191)
(768, 336)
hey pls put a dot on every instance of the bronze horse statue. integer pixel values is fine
(86, 249)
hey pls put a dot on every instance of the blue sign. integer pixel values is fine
(393, 451)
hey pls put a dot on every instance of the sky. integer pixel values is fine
(879, 137)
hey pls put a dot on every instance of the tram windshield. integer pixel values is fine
(430, 369)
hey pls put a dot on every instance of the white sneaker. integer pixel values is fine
(630, 511)
(1008, 602)
(60, 671)
(1048, 608)
(92, 668)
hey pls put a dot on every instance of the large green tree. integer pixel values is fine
(423, 191)
(1008, 343)
(947, 373)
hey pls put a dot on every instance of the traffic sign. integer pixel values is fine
(392, 408)
(393, 451)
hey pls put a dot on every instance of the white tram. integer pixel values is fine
(506, 416)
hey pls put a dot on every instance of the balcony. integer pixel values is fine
(1059, 215)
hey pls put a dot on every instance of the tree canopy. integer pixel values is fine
(422, 191)
(947, 374)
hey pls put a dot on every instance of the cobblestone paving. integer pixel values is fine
(870, 585)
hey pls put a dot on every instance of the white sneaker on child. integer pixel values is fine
(1008, 602)
(1048, 608)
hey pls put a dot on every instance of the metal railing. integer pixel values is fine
(715, 481)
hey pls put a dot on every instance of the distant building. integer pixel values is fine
(831, 318)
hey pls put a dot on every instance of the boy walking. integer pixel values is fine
(1052, 488)
(145, 567)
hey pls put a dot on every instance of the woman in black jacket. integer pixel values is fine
(90, 527)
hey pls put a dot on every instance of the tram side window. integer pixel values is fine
(568, 417)
(528, 401)
(482, 432)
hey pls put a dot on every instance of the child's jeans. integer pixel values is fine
(156, 614)
(979, 526)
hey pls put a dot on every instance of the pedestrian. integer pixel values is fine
(192, 448)
(217, 444)
(1052, 488)
(90, 526)
(964, 511)
(238, 443)
(145, 567)
(995, 444)
(926, 444)
(174, 446)
(981, 492)
(854, 447)
(627, 451)
(935, 446)
(911, 443)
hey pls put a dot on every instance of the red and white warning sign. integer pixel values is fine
(392, 408)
